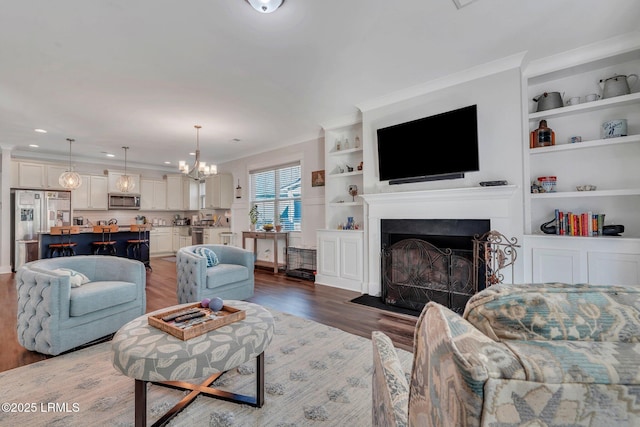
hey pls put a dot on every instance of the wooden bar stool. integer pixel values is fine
(136, 245)
(106, 244)
(65, 247)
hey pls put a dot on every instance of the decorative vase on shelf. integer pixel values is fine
(252, 227)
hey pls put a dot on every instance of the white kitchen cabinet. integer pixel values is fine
(113, 176)
(340, 259)
(190, 194)
(211, 236)
(31, 175)
(174, 192)
(53, 176)
(160, 241)
(92, 193)
(180, 237)
(218, 191)
(37, 175)
(153, 194)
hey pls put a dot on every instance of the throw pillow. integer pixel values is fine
(212, 258)
(76, 279)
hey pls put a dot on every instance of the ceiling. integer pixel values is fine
(142, 73)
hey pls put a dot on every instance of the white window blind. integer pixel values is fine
(277, 193)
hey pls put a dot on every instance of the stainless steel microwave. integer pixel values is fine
(124, 201)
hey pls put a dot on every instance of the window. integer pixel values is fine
(278, 194)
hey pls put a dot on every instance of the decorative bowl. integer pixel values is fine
(586, 187)
(548, 183)
(267, 227)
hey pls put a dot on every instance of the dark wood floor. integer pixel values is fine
(302, 298)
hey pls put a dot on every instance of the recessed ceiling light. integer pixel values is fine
(167, 163)
(40, 130)
(110, 155)
(192, 154)
(34, 145)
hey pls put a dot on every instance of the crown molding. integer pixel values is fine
(479, 71)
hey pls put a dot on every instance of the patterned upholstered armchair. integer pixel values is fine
(66, 302)
(551, 354)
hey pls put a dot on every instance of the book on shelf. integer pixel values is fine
(579, 224)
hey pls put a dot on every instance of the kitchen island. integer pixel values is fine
(86, 237)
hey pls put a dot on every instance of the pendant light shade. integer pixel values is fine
(70, 179)
(265, 6)
(125, 183)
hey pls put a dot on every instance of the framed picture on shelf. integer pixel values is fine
(317, 178)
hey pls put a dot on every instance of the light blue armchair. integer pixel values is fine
(232, 278)
(56, 315)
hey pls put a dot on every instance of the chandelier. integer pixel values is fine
(70, 179)
(265, 6)
(199, 170)
(125, 183)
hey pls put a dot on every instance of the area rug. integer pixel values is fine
(314, 375)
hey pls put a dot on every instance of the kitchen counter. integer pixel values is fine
(87, 236)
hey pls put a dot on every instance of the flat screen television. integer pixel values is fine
(443, 146)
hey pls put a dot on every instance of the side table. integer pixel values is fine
(273, 235)
(147, 354)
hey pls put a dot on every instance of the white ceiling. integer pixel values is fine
(142, 73)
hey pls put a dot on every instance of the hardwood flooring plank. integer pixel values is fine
(302, 298)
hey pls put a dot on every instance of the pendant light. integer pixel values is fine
(70, 179)
(125, 182)
(265, 6)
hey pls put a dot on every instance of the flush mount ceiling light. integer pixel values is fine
(70, 179)
(265, 6)
(199, 170)
(125, 183)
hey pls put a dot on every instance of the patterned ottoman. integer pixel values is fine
(147, 354)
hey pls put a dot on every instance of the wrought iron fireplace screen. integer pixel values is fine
(415, 272)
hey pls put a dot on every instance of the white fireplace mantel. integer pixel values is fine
(493, 203)
(462, 193)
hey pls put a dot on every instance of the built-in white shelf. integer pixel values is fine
(347, 151)
(340, 175)
(586, 107)
(586, 144)
(596, 193)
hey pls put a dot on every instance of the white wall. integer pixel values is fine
(311, 157)
(498, 97)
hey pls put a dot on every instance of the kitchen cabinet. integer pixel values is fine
(92, 193)
(53, 176)
(608, 163)
(340, 259)
(181, 237)
(174, 192)
(153, 194)
(211, 236)
(36, 175)
(190, 194)
(218, 191)
(160, 241)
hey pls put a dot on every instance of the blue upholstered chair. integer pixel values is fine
(67, 302)
(231, 278)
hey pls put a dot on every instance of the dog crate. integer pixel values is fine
(301, 262)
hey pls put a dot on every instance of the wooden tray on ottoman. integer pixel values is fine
(224, 317)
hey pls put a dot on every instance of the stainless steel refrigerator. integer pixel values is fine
(34, 212)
